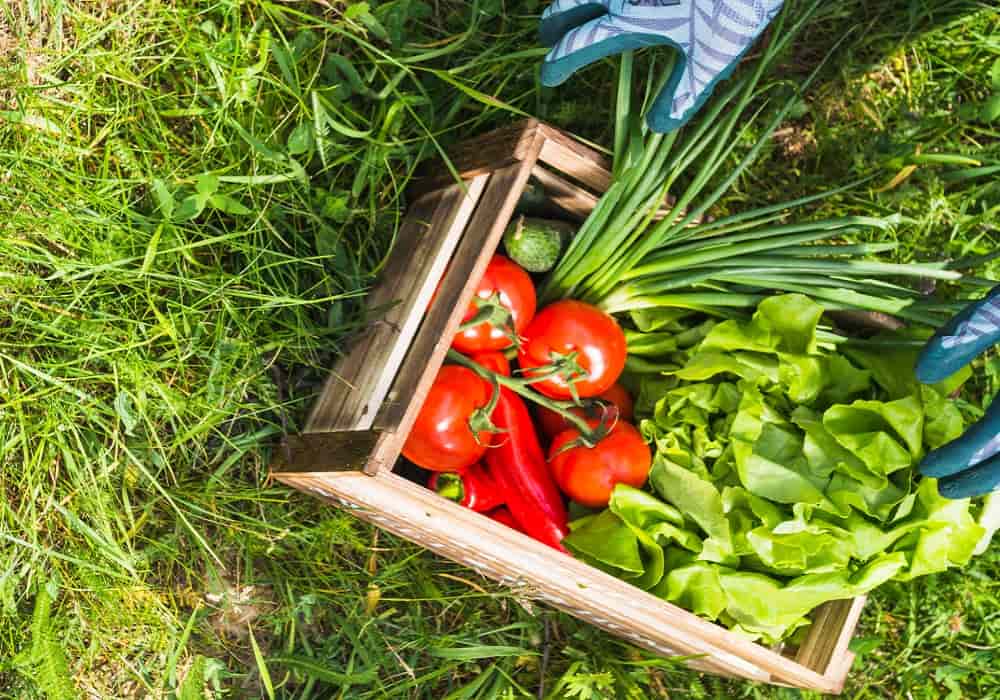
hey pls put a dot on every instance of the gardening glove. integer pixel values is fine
(970, 464)
(710, 36)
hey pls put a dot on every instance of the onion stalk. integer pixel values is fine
(625, 258)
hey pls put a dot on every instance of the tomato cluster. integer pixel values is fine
(567, 351)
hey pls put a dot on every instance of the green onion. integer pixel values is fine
(624, 258)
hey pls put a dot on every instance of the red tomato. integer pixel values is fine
(588, 474)
(515, 291)
(441, 439)
(573, 326)
(618, 405)
(494, 361)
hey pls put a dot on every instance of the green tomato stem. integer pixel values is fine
(450, 486)
(522, 387)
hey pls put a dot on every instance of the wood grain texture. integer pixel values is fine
(360, 381)
(533, 570)
(429, 347)
(344, 450)
(571, 158)
(576, 200)
(569, 197)
(477, 156)
(826, 645)
(839, 669)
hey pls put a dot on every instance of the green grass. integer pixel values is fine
(194, 197)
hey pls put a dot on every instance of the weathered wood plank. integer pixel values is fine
(359, 383)
(345, 450)
(431, 344)
(825, 649)
(572, 158)
(536, 571)
(571, 198)
(483, 154)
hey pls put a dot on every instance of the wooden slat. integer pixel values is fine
(346, 450)
(571, 198)
(533, 570)
(467, 267)
(572, 158)
(825, 649)
(840, 668)
(574, 199)
(483, 154)
(357, 386)
(454, 294)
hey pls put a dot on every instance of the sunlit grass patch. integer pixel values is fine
(194, 197)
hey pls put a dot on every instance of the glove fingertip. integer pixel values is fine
(555, 73)
(937, 465)
(662, 117)
(966, 485)
(558, 20)
(664, 122)
(975, 481)
(935, 363)
(952, 489)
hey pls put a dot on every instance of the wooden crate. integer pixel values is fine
(356, 430)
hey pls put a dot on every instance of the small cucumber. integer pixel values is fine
(536, 244)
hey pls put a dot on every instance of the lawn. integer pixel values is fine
(194, 197)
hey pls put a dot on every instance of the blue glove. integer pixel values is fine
(710, 35)
(970, 464)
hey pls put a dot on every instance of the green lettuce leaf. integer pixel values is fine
(844, 380)
(892, 367)
(784, 474)
(745, 365)
(886, 436)
(642, 509)
(802, 376)
(699, 501)
(949, 533)
(647, 513)
(762, 605)
(811, 550)
(942, 419)
(781, 324)
(845, 493)
(607, 542)
(652, 388)
(794, 318)
(695, 587)
(613, 545)
(769, 455)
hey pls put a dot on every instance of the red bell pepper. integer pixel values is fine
(504, 516)
(474, 488)
(517, 463)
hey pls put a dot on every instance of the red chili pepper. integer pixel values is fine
(474, 488)
(517, 463)
(503, 515)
